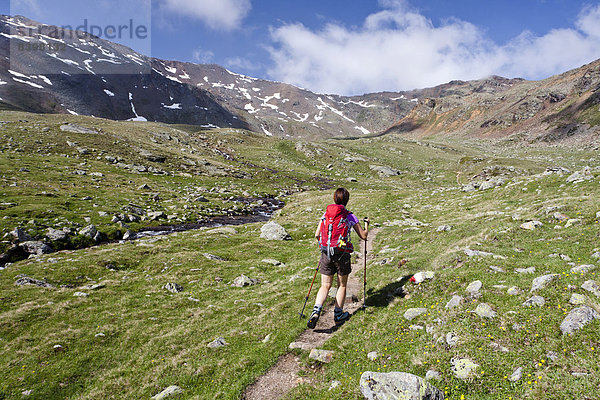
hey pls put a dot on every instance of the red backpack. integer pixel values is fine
(335, 230)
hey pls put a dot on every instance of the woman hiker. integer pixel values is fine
(333, 235)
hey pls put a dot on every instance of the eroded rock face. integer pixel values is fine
(397, 385)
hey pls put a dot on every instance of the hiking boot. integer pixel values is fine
(312, 321)
(340, 318)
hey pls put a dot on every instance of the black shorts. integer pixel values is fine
(338, 264)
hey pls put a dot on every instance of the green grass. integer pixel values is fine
(154, 339)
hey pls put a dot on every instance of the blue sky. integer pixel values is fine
(352, 46)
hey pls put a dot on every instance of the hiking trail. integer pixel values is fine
(283, 375)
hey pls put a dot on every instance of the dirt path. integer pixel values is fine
(283, 376)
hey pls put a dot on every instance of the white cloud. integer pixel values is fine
(398, 49)
(223, 15)
(203, 56)
(241, 63)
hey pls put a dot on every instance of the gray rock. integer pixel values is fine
(218, 342)
(412, 313)
(19, 235)
(474, 287)
(477, 253)
(213, 257)
(531, 225)
(300, 345)
(573, 221)
(535, 301)
(582, 269)
(530, 270)
(243, 280)
(168, 392)
(596, 255)
(384, 171)
(451, 339)
(273, 262)
(56, 234)
(372, 355)
(273, 231)
(173, 287)
(94, 286)
(80, 294)
(23, 280)
(334, 384)
(156, 215)
(592, 287)
(454, 301)
(36, 247)
(74, 128)
(397, 385)
(323, 356)
(542, 281)
(513, 291)
(444, 228)
(577, 319)
(496, 269)
(577, 299)
(580, 176)
(89, 231)
(129, 235)
(485, 311)
(516, 375)
(463, 368)
(431, 374)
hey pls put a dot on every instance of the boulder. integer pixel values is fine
(23, 280)
(218, 342)
(323, 356)
(577, 299)
(56, 234)
(412, 313)
(580, 176)
(592, 287)
(397, 385)
(384, 171)
(273, 231)
(485, 311)
(168, 392)
(89, 231)
(36, 247)
(173, 287)
(19, 235)
(474, 287)
(542, 281)
(463, 368)
(582, 269)
(577, 319)
(535, 301)
(243, 280)
(156, 215)
(531, 225)
(454, 301)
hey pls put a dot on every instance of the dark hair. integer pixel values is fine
(341, 196)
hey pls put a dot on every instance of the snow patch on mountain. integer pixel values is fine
(109, 93)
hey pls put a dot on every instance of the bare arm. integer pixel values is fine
(318, 231)
(362, 233)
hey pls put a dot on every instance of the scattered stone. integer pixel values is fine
(218, 342)
(351, 179)
(372, 355)
(534, 301)
(226, 230)
(89, 231)
(577, 319)
(80, 294)
(497, 346)
(596, 254)
(431, 374)
(592, 287)
(397, 385)
(25, 280)
(74, 128)
(144, 187)
(173, 287)
(577, 299)
(384, 171)
(412, 313)
(20, 235)
(451, 339)
(56, 234)
(513, 291)
(156, 215)
(463, 368)
(416, 327)
(485, 311)
(582, 269)
(444, 228)
(273, 262)
(27, 392)
(530, 270)
(474, 287)
(516, 375)
(273, 231)
(99, 335)
(531, 225)
(300, 345)
(454, 301)
(573, 221)
(168, 392)
(267, 339)
(580, 176)
(542, 281)
(552, 355)
(243, 280)
(95, 286)
(323, 356)
(332, 292)
(477, 253)
(496, 269)
(36, 247)
(334, 384)
(213, 257)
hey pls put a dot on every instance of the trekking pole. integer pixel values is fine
(365, 267)
(309, 289)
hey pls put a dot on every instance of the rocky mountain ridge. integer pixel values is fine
(92, 76)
